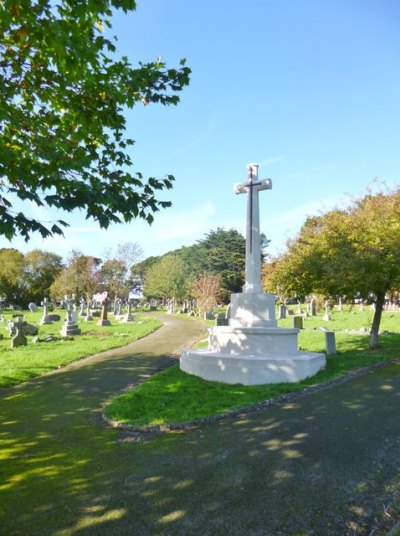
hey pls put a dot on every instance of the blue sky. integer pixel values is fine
(309, 90)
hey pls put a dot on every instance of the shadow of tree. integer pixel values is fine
(318, 465)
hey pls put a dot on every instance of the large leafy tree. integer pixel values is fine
(351, 252)
(27, 278)
(219, 253)
(40, 270)
(80, 277)
(12, 264)
(113, 278)
(63, 94)
(167, 279)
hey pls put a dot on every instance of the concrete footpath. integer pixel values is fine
(324, 464)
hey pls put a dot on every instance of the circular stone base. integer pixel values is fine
(251, 369)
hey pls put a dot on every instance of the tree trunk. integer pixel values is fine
(373, 340)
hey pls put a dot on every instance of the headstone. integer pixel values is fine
(340, 305)
(298, 322)
(33, 307)
(330, 343)
(299, 311)
(19, 339)
(282, 311)
(313, 307)
(361, 307)
(103, 316)
(129, 316)
(117, 306)
(326, 316)
(24, 327)
(70, 326)
(82, 308)
(88, 313)
(45, 317)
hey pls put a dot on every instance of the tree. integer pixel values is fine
(113, 278)
(220, 253)
(205, 288)
(40, 270)
(12, 265)
(80, 277)
(167, 279)
(62, 127)
(351, 252)
(116, 272)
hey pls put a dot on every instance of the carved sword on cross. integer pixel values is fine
(253, 247)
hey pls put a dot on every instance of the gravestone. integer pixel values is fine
(340, 305)
(19, 339)
(33, 307)
(298, 322)
(361, 307)
(129, 316)
(117, 307)
(24, 327)
(70, 326)
(45, 317)
(82, 308)
(88, 316)
(282, 311)
(330, 343)
(313, 304)
(299, 310)
(326, 316)
(103, 316)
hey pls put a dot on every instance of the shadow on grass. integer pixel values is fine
(321, 465)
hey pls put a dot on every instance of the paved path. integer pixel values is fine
(323, 464)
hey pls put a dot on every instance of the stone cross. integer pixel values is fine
(19, 339)
(69, 306)
(103, 318)
(253, 246)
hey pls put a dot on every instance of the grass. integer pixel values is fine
(25, 362)
(175, 397)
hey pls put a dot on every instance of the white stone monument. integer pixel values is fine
(251, 349)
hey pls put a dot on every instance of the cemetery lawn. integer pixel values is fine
(174, 397)
(25, 362)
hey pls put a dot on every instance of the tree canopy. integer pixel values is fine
(26, 278)
(220, 253)
(353, 252)
(167, 279)
(63, 94)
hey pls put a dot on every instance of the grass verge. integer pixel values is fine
(173, 396)
(25, 362)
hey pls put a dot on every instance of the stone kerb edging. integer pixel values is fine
(141, 431)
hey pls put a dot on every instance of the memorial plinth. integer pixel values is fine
(252, 349)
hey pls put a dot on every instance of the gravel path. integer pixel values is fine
(323, 464)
